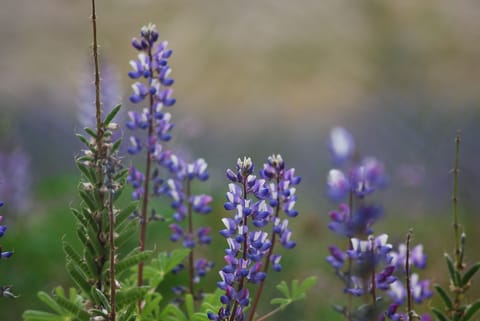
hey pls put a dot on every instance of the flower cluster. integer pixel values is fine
(420, 288)
(369, 264)
(185, 203)
(3, 229)
(151, 66)
(257, 202)
(5, 290)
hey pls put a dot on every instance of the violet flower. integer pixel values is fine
(185, 203)
(256, 203)
(5, 290)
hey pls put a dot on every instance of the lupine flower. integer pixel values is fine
(184, 204)
(150, 70)
(256, 203)
(361, 178)
(3, 229)
(345, 224)
(5, 291)
(417, 257)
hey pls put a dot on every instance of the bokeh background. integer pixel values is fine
(252, 78)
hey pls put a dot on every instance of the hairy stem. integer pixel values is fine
(456, 226)
(100, 147)
(267, 259)
(112, 257)
(146, 187)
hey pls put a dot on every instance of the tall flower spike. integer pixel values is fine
(152, 84)
(5, 290)
(185, 204)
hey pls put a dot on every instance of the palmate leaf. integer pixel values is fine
(439, 314)
(163, 264)
(73, 308)
(297, 291)
(88, 172)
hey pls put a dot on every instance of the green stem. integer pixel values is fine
(268, 315)
(112, 257)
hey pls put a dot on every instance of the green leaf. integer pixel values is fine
(78, 279)
(454, 275)
(91, 132)
(83, 139)
(87, 172)
(75, 259)
(125, 235)
(48, 300)
(89, 201)
(112, 115)
(116, 146)
(131, 260)
(446, 299)
(32, 315)
(470, 273)
(175, 258)
(471, 310)
(308, 283)
(189, 306)
(283, 287)
(172, 313)
(129, 296)
(71, 307)
(101, 298)
(439, 314)
(125, 213)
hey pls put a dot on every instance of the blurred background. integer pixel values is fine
(252, 78)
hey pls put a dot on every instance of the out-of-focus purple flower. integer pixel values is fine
(345, 224)
(338, 185)
(15, 179)
(417, 257)
(341, 144)
(420, 290)
(3, 229)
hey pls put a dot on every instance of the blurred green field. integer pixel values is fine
(38, 263)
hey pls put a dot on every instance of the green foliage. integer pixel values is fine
(65, 308)
(296, 292)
